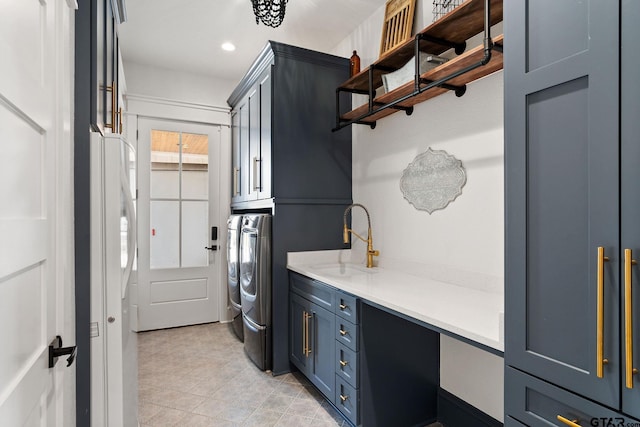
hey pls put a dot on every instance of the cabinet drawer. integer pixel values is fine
(347, 333)
(347, 364)
(347, 400)
(314, 291)
(534, 402)
(346, 306)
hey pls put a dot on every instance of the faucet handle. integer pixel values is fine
(374, 252)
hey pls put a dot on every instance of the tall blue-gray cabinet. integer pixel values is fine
(287, 161)
(571, 156)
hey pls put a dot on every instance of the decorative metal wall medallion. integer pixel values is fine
(433, 180)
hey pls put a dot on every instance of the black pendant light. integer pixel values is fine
(270, 12)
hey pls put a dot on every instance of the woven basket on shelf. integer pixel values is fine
(442, 7)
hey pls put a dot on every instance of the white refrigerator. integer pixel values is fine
(114, 400)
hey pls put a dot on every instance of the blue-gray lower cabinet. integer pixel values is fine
(538, 403)
(324, 341)
(571, 169)
(313, 342)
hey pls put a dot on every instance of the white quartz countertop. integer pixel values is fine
(464, 311)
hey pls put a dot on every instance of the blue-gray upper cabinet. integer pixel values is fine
(630, 203)
(568, 177)
(251, 144)
(102, 53)
(282, 114)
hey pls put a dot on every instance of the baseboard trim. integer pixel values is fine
(455, 412)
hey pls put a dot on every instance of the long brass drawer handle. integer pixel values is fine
(343, 363)
(309, 316)
(572, 423)
(600, 360)
(628, 317)
(343, 332)
(343, 397)
(304, 332)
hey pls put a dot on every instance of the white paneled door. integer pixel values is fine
(178, 209)
(36, 224)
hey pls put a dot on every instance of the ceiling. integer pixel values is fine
(187, 34)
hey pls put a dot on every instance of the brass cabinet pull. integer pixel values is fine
(306, 326)
(304, 332)
(343, 332)
(236, 171)
(628, 317)
(256, 186)
(343, 397)
(120, 127)
(343, 363)
(342, 306)
(572, 423)
(114, 97)
(600, 360)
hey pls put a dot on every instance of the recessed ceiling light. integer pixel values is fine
(229, 47)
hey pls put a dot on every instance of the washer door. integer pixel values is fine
(248, 277)
(233, 266)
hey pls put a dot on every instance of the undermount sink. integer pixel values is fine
(343, 270)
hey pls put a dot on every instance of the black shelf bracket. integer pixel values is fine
(458, 48)
(458, 90)
(420, 84)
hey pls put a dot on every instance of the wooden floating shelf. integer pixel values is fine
(449, 32)
(468, 58)
(457, 26)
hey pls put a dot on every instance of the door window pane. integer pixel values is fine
(195, 236)
(165, 234)
(195, 166)
(165, 162)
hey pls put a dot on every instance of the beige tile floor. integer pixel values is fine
(199, 376)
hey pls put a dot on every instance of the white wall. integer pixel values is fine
(176, 85)
(467, 236)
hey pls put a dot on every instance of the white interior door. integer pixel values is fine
(178, 204)
(36, 224)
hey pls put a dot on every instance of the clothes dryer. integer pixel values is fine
(234, 228)
(255, 287)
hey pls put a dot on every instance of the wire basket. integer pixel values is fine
(442, 7)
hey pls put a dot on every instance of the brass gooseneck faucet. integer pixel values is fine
(369, 241)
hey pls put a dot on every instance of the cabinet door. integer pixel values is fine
(299, 340)
(323, 345)
(109, 64)
(254, 143)
(264, 178)
(562, 198)
(98, 112)
(235, 156)
(630, 161)
(243, 109)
